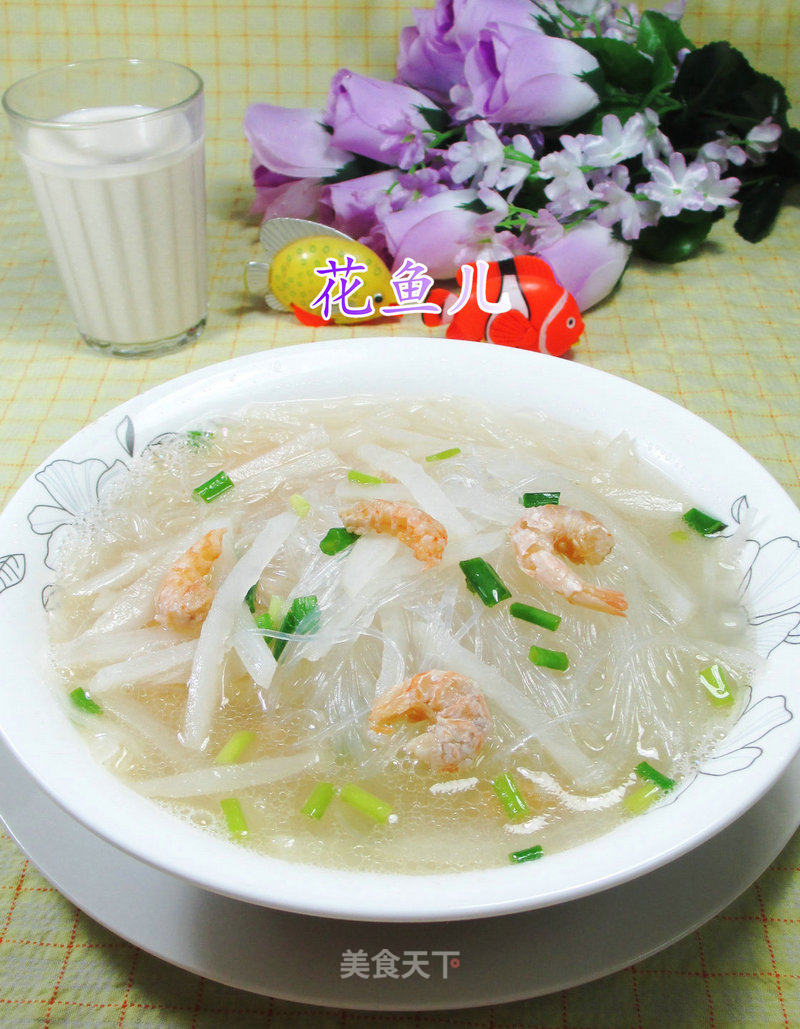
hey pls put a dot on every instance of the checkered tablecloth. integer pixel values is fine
(719, 334)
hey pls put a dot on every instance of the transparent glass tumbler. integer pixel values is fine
(114, 151)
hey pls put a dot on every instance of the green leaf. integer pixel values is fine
(760, 205)
(712, 76)
(436, 118)
(676, 239)
(658, 32)
(477, 206)
(355, 169)
(621, 64)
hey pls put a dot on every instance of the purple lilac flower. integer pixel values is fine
(724, 150)
(568, 191)
(696, 187)
(622, 206)
(762, 139)
(617, 142)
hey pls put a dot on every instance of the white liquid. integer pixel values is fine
(123, 204)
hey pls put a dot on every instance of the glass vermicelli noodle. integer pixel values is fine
(400, 636)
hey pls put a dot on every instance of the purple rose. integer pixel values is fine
(432, 51)
(292, 141)
(280, 197)
(377, 119)
(513, 75)
(350, 205)
(440, 233)
(588, 261)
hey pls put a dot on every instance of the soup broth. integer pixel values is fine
(295, 699)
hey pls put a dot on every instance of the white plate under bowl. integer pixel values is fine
(300, 958)
(712, 469)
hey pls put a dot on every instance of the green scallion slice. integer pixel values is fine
(539, 499)
(362, 478)
(484, 580)
(545, 658)
(318, 800)
(650, 774)
(196, 437)
(264, 620)
(716, 682)
(275, 611)
(367, 803)
(529, 854)
(640, 799)
(234, 816)
(679, 536)
(299, 505)
(214, 487)
(509, 796)
(703, 523)
(336, 540)
(235, 747)
(302, 617)
(81, 699)
(444, 454)
(250, 598)
(535, 616)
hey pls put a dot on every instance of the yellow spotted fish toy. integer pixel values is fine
(305, 260)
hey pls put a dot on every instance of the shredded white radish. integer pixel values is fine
(88, 651)
(365, 560)
(253, 652)
(161, 666)
(223, 778)
(205, 681)
(147, 726)
(301, 445)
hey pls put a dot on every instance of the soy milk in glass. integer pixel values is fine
(114, 152)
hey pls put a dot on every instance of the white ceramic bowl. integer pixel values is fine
(715, 471)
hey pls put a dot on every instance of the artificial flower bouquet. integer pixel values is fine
(578, 131)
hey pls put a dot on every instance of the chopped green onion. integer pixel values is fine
(539, 499)
(545, 658)
(362, 478)
(318, 800)
(250, 598)
(337, 539)
(302, 617)
(509, 796)
(484, 580)
(705, 524)
(299, 505)
(196, 437)
(535, 616)
(234, 816)
(367, 803)
(214, 487)
(529, 854)
(640, 799)
(679, 536)
(645, 771)
(275, 611)
(444, 454)
(264, 621)
(82, 700)
(235, 747)
(716, 682)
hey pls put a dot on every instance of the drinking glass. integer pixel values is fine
(114, 151)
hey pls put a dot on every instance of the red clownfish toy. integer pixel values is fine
(539, 314)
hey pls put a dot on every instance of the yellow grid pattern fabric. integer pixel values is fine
(719, 334)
